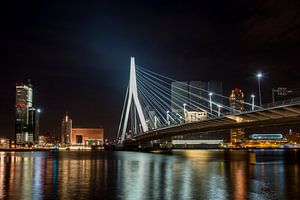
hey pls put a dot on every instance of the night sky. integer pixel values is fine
(77, 54)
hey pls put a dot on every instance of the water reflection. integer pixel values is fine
(197, 174)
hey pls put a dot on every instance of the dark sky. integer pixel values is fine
(77, 53)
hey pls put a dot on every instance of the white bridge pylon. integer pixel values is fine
(132, 95)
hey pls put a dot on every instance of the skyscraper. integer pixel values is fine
(179, 95)
(195, 94)
(25, 115)
(66, 130)
(236, 101)
(216, 87)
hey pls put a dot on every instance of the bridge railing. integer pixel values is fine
(282, 103)
(264, 106)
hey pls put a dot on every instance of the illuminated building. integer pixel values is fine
(264, 141)
(236, 101)
(66, 130)
(293, 137)
(193, 116)
(47, 140)
(266, 136)
(87, 136)
(4, 143)
(25, 115)
(237, 135)
(196, 143)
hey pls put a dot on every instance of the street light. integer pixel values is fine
(259, 75)
(184, 105)
(252, 96)
(147, 123)
(168, 118)
(210, 102)
(219, 110)
(155, 122)
(184, 110)
(37, 122)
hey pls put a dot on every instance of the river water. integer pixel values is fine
(180, 174)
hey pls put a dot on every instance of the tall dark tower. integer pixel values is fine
(25, 115)
(66, 131)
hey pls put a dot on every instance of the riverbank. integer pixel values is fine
(26, 149)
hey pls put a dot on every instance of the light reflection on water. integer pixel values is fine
(190, 174)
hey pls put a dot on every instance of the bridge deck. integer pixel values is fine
(280, 115)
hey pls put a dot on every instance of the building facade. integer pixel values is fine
(293, 137)
(195, 94)
(66, 131)
(193, 116)
(216, 87)
(4, 143)
(236, 101)
(237, 135)
(25, 124)
(87, 136)
(179, 93)
(265, 141)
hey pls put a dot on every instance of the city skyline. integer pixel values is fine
(78, 56)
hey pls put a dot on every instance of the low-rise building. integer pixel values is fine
(196, 143)
(47, 140)
(293, 137)
(87, 136)
(4, 143)
(194, 116)
(265, 141)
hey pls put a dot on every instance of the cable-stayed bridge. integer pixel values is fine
(157, 107)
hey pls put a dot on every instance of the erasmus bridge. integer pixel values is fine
(154, 109)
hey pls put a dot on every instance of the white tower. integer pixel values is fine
(132, 95)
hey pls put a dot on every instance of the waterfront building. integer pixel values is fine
(193, 144)
(293, 137)
(47, 140)
(87, 136)
(264, 141)
(236, 102)
(237, 135)
(25, 122)
(4, 143)
(66, 130)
